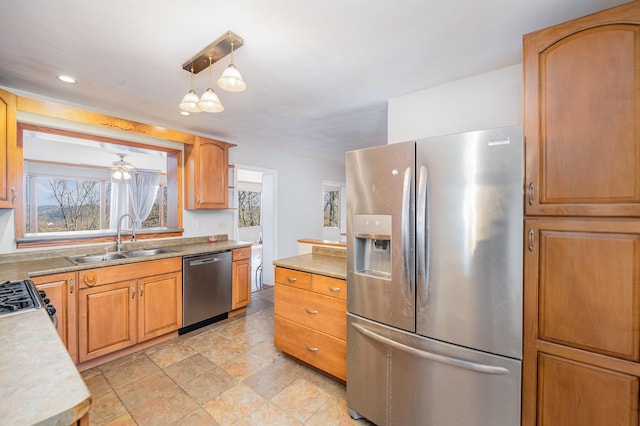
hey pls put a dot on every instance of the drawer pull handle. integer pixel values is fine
(334, 289)
(531, 193)
(71, 286)
(310, 311)
(310, 348)
(291, 280)
(133, 291)
(141, 291)
(531, 239)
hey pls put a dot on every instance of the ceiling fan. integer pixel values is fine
(122, 168)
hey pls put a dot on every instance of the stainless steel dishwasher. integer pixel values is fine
(206, 289)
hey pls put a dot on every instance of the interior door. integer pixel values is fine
(380, 228)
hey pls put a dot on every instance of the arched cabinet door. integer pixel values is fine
(582, 116)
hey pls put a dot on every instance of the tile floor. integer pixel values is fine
(228, 373)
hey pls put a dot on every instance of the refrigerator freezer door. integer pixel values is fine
(400, 378)
(471, 291)
(380, 234)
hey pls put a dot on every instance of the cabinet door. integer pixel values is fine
(106, 319)
(207, 174)
(9, 161)
(582, 108)
(583, 280)
(241, 283)
(62, 292)
(159, 305)
(572, 393)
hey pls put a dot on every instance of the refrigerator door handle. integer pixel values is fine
(406, 231)
(454, 362)
(422, 236)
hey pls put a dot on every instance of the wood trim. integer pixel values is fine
(65, 112)
(322, 242)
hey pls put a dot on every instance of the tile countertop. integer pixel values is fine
(323, 261)
(38, 381)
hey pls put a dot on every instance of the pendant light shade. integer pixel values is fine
(209, 101)
(231, 79)
(190, 101)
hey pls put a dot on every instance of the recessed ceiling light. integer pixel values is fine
(67, 79)
(185, 113)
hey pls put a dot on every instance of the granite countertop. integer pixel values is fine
(40, 383)
(38, 380)
(322, 261)
(32, 264)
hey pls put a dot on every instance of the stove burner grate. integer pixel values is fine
(15, 296)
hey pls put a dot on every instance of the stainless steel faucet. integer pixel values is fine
(133, 231)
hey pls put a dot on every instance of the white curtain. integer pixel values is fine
(119, 202)
(143, 188)
(135, 195)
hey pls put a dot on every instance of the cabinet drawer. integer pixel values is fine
(317, 311)
(241, 254)
(313, 347)
(330, 286)
(112, 274)
(293, 278)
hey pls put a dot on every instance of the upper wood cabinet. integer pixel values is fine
(206, 174)
(582, 116)
(9, 161)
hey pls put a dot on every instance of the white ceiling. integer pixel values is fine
(319, 73)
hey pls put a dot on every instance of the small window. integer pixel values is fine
(332, 208)
(249, 208)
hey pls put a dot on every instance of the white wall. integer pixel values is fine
(484, 101)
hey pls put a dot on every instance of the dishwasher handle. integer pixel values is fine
(204, 261)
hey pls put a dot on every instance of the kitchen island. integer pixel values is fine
(310, 309)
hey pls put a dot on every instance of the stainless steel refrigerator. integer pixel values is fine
(434, 279)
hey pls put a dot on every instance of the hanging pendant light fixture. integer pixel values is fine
(231, 79)
(122, 168)
(190, 101)
(209, 101)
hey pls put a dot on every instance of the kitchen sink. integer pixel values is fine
(95, 258)
(146, 252)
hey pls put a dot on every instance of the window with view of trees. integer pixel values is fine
(71, 184)
(331, 209)
(249, 208)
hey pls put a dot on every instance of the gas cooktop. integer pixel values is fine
(16, 296)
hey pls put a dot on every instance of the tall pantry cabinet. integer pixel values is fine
(582, 205)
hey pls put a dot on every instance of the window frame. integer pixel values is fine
(240, 207)
(174, 180)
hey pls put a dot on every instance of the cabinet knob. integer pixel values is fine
(291, 280)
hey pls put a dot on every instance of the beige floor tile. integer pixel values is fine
(171, 354)
(209, 385)
(273, 378)
(149, 387)
(267, 351)
(125, 420)
(300, 399)
(164, 410)
(222, 352)
(189, 368)
(205, 340)
(244, 365)
(270, 414)
(86, 374)
(130, 372)
(119, 362)
(198, 417)
(235, 404)
(333, 412)
(97, 385)
(105, 408)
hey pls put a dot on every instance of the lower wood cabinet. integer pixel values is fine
(241, 278)
(115, 313)
(310, 319)
(61, 290)
(581, 361)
